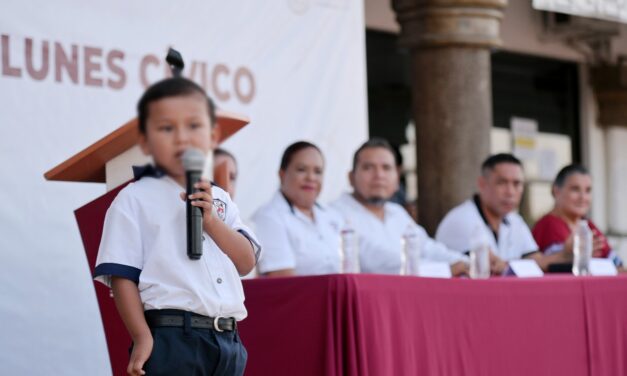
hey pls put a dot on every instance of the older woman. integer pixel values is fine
(572, 193)
(224, 157)
(298, 236)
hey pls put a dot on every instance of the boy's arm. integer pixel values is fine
(235, 245)
(131, 310)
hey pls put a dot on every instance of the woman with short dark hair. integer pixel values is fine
(298, 235)
(571, 191)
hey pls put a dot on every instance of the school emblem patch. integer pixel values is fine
(219, 207)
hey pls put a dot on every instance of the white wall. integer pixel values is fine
(521, 31)
(593, 146)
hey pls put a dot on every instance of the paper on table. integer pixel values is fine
(435, 269)
(525, 268)
(602, 266)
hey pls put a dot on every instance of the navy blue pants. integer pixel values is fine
(193, 351)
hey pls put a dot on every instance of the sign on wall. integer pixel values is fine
(610, 10)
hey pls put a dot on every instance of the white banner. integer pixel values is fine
(609, 10)
(71, 72)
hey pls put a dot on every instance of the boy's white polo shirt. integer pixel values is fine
(458, 226)
(291, 240)
(144, 240)
(380, 241)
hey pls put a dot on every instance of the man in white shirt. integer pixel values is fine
(380, 224)
(492, 215)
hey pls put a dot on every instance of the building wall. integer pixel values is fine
(380, 16)
(522, 31)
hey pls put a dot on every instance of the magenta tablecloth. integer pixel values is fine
(605, 302)
(388, 325)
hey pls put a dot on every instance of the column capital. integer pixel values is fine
(444, 23)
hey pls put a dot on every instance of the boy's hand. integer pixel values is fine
(142, 348)
(235, 245)
(203, 200)
(131, 309)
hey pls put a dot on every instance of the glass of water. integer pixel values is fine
(480, 261)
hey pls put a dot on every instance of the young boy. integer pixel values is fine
(180, 313)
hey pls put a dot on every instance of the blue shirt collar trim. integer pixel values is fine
(148, 170)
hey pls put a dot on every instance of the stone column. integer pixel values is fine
(610, 89)
(450, 43)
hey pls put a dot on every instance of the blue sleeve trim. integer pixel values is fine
(253, 243)
(117, 270)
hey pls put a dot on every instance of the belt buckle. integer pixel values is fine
(216, 327)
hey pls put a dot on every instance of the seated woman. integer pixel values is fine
(298, 236)
(224, 157)
(572, 193)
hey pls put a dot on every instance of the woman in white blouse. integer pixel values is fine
(298, 235)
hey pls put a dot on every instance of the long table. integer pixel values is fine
(393, 325)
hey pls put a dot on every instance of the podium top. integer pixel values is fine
(89, 164)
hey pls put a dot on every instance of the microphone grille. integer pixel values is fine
(193, 159)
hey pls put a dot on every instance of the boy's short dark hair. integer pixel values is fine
(496, 159)
(171, 87)
(567, 171)
(374, 142)
(294, 148)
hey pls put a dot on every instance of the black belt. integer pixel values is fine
(219, 324)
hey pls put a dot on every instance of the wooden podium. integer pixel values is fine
(110, 161)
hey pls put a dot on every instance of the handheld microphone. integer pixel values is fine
(193, 162)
